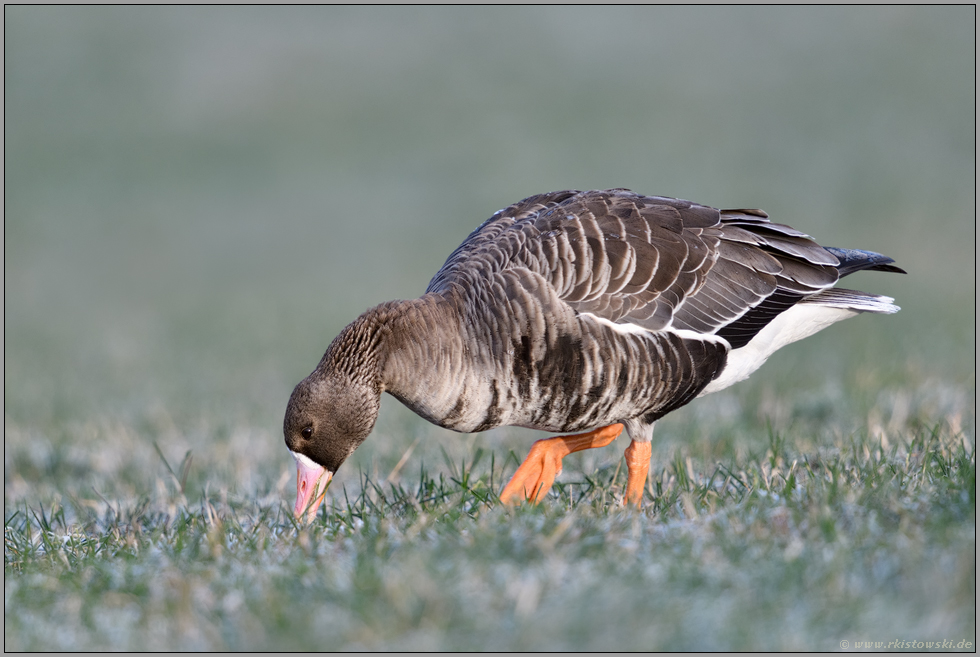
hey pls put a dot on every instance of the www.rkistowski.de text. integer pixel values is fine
(902, 644)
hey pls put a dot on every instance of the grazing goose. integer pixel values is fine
(576, 311)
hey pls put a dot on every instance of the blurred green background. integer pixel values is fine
(198, 199)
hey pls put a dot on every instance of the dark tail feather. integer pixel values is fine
(852, 260)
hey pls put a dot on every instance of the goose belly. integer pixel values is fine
(576, 377)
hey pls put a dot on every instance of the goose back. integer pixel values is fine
(587, 307)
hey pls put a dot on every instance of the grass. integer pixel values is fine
(864, 540)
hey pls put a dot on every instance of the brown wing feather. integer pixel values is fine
(655, 262)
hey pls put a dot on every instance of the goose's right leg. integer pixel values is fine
(638, 464)
(537, 473)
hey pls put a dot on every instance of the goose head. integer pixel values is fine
(328, 416)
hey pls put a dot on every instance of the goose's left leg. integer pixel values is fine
(537, 473)
(638, 464)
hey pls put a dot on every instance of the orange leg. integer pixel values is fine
(537, 473)
(638, 463)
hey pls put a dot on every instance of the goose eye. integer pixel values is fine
(307, 432)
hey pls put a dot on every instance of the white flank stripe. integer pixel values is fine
(632, 329)
(625, 328)
(694, 335)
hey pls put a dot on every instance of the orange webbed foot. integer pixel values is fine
(537, 473)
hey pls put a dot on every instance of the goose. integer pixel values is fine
(582, 313)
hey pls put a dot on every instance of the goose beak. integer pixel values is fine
(312, 481)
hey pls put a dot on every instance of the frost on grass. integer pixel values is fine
(766, 547)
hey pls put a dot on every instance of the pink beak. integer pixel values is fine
(312, 481)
